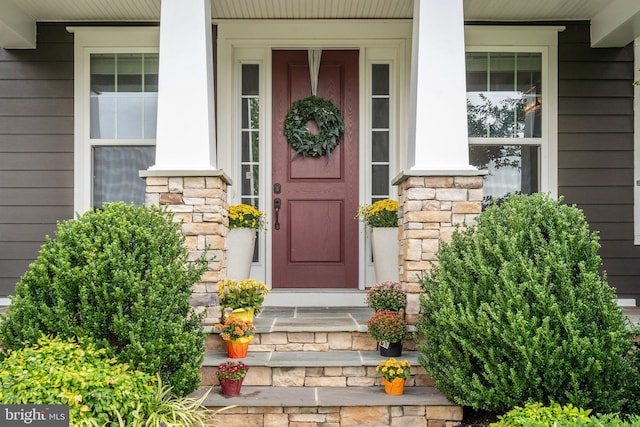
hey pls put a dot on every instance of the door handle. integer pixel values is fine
(277, 204)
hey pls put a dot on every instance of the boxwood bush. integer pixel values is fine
(121, 277)
(517, 311)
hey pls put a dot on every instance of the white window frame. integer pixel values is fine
(88, 40)
(636, 144)
(544, 40)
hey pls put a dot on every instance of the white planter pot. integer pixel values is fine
(240, 242)
(385, 247)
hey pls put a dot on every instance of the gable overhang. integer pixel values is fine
(17, 28)
(617, 25)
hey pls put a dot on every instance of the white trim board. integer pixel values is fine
(626, 302)
(636, 145)
(316, 298)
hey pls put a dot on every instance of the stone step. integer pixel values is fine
(338, 368)
(332, 406)
(313, 341)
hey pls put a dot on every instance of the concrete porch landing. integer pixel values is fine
(312, 319)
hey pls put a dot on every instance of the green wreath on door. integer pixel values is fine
(329, 121)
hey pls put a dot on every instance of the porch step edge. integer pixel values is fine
(307, 359)
(267, 396)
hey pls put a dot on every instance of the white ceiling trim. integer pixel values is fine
(616, 25)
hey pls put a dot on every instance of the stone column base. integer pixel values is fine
(430, 206)
(198, 199)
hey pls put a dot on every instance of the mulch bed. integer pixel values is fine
(473, 418)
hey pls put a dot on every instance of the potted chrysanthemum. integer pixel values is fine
(231, 374)
(394, 374)
(244, 222)
(382, 217)
(237, 334)
(387, 296)
(389, 329)
(242, 298)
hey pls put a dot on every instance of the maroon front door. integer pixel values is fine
(316, 244)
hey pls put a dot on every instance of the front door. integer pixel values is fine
(316, 243)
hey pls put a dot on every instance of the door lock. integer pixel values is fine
(277, 204)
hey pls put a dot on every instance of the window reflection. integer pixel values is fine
(512, 168)
(504, 94)
(124, 96)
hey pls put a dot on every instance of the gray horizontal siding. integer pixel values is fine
(36, 148)
(29, 215)
(579, 141)
(595, 160)
(595, 147)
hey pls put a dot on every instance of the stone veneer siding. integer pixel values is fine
(333, 416)
(429, 209)
(200, 203)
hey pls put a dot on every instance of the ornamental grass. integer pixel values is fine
(383, 213)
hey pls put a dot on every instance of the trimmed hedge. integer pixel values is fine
(518, 312)
(121, 277)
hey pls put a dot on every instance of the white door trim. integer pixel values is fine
(252, 42)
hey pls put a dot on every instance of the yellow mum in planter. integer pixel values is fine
(392, 369)
(246, 294)
(383, 213)
(247, 216)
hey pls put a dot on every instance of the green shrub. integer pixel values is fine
(517, 312)
(554, 415)
(119, 276)
(607, 420)
(96, 388)
(536, 414)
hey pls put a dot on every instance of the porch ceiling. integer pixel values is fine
(149, 10)
(610, 15)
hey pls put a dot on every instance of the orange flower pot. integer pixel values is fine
(395, 387)
(237, 349)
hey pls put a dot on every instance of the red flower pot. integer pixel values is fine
(231, 387)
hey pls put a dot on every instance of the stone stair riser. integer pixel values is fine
(305, 341)
(331, 376)
(391, 415)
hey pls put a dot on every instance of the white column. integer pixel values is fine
(185, 138)
(438, 121)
